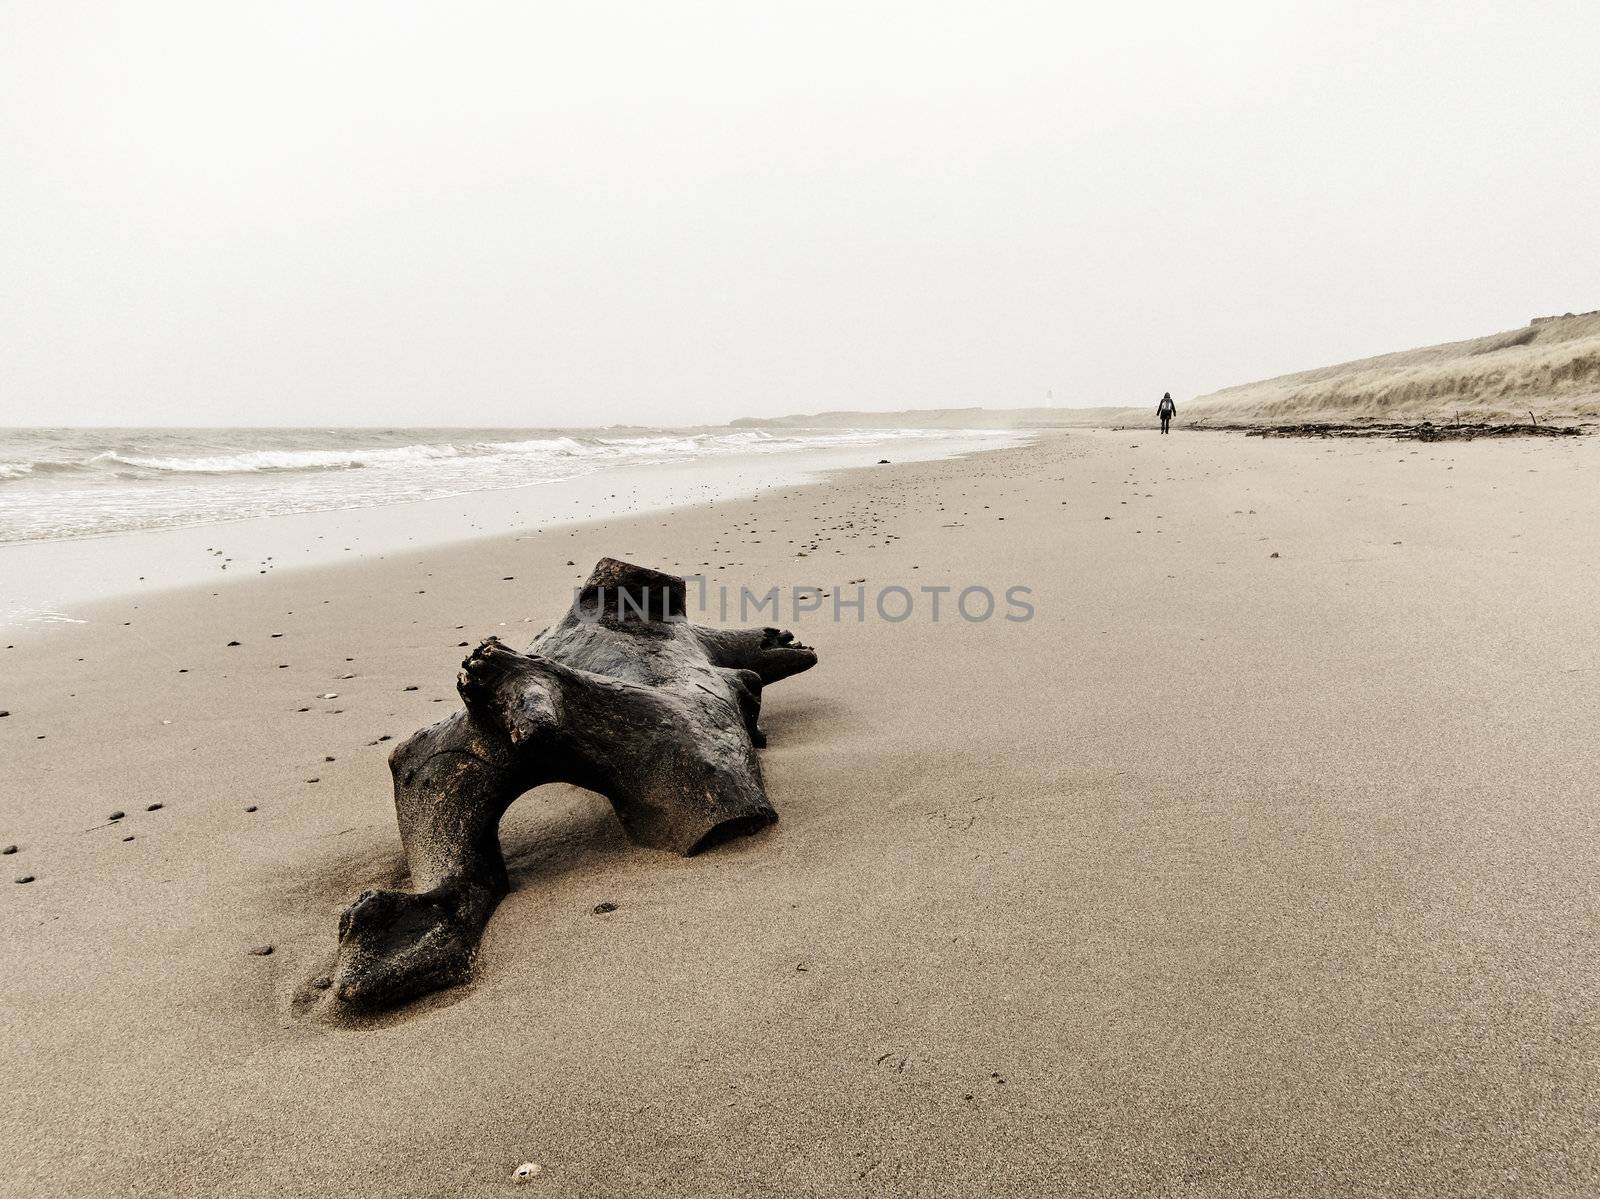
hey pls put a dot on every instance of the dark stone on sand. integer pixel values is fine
(24, 878)
(410, 688)
(231, 644)
(116, 816)
(604, 906)
(622, 696)
(883, 462)
(9, 849)
(260, 951)
(251, 808)
(155, 807)
(129, 837)
(2, 713)
(323, 983)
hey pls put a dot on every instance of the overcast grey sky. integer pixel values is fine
(589, 212)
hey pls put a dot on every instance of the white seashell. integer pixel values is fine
(527, 1172)
(329, 695)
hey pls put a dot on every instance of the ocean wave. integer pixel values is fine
(559, 451)
(535, 445)
(257, 461)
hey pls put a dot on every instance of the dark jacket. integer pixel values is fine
(1166, 407)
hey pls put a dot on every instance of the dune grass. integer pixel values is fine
(1550, 367)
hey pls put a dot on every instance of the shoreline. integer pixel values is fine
(45, 577)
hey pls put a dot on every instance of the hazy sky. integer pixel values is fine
(223, 212)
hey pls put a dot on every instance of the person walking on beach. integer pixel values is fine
(1166, 409)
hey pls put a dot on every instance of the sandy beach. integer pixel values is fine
(1262, 860)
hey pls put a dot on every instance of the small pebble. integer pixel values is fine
(155, 807)
(9, 849)
(260, 951)
(116, 816)
(251, 808)
(25, 878)
(129, 837)
(231, 644)
(604, 906)
(526, 1172)
(323, 983)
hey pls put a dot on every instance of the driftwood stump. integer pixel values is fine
(623, 697)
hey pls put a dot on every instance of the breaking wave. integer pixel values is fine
(70, 483)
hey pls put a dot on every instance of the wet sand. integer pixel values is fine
(1261, 861)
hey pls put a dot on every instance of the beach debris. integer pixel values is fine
(526, 1172)
(231, 644)
(260, 951)
(24, 878)
(3, 712)
(1422, 431)
(9, 849)
(155, 807)
(622, 695)
(250, 808)
(118, 815)
(329, 695)
(604, 906)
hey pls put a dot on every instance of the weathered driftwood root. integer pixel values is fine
(622, 697)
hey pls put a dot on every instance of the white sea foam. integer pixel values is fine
(73, 483)
(283, 460)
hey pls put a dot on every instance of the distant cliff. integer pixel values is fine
(1550, 366)
(949, 418)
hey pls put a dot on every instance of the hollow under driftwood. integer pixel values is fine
(623, 697)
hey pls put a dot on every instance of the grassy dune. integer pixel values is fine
(1551, 367)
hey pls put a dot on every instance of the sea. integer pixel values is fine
(72, 483)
